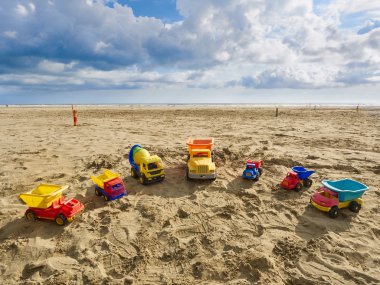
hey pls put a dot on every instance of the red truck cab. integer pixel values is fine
(290, 181)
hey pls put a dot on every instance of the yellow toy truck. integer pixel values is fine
(200, 164)
(147, 168)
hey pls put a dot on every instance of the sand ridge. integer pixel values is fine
(227, 231)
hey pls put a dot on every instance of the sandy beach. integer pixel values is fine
(227, 231)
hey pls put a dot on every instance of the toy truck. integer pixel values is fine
(253, 170)
(109, 185)
(200, 164)
(147, 168)
(297, 179)
(46, 202)
(335, 195)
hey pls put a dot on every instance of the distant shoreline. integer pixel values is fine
(190, 105)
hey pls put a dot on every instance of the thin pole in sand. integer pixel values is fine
(276, 111)
(357, 108)
(75, 115)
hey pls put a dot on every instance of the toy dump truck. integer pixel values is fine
(335, 195)
(109, 185)
(200, 163)
(147, 168)
(253, 170)
(46, 202)
(297, 179)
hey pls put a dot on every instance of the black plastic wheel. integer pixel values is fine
(260, 170)
(133, 173)
(142, 179)
(187, 174)
(97, 192)
(334, 212)
(29, 215)
(60, 220)
(308, 183)
(355, 207)
(298, 187)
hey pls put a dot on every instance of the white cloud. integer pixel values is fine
(21, 10)
(254, 43)
(10, 34)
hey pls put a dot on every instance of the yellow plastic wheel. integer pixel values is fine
(60, 220)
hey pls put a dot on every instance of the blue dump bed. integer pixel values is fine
(347, 189)
(302, 172)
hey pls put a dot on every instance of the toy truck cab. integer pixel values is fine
(252, 170)
(147, 168)
(297, 178)
(336, 195)
(46, 202)
(200, 163)
(109, 185)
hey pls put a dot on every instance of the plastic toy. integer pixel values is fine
(253, 170)
(147, 168)
(335, 195)
(109, 185)
(297, 179)
(200, 163)
(46, 202)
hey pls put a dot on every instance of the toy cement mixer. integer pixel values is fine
(147, 168)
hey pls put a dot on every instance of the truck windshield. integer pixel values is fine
(116, 186)
(152, 166)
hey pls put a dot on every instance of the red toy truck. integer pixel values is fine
(46, 202)
(297, 179)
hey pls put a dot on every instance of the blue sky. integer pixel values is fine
(188, 51)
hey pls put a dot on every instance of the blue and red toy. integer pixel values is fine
(253, 170)
(297, 179)
(109, 185)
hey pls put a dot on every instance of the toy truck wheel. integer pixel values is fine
(355, 207)
(187, 174)
(97, 192)
(260, 170)
(334, 212)
(133, 173)
(105, 197)
(142, 179)
(60, 220)
(298, 187)
(29, 215)
(308, 183)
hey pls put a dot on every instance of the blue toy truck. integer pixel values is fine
(109, 185)
(253, 170)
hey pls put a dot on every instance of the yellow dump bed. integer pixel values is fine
(43, 195)
(198, 144)
(108, 175)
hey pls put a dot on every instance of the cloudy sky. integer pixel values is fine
(228, 51)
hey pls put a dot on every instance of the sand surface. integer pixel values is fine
(228, 231)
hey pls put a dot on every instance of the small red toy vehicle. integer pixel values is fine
(46, 202)
(297, 179)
